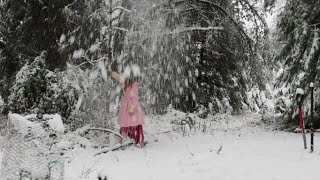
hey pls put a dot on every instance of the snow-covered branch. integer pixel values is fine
(120, 29)
(106, 130)
(255, 12)
(121, 8)
(181, 30)
(218, 28)
(67, 6)
(240, 29)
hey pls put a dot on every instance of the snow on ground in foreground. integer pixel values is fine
(1, 151)
(248, 152)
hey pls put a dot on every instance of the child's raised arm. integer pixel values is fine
(117, 77)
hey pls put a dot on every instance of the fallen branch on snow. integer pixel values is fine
(106, 130)
(189, 150)
(219, 150)
(116, 147)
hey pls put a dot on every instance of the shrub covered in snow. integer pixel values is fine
(33, 150)
(80, 96)
(1, 104)
(37, 88)
(98, 96)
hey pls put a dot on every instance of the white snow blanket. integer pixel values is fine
(28, 149)
(1, 151)
(55, 122)
(233, 148)
(24, 126)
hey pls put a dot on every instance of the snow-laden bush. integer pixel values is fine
(100, 100)
(98, 96)
(32, 148)
(79, 96)
(38, 89)
(259, 101)
(255, 100)
(1, 104)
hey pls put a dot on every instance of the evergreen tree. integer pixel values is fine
(196, 51)
(28, 28)
(298, 31)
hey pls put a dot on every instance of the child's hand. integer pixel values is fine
(132, 110)
(109, 70)
(114, 74)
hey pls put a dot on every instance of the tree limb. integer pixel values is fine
(230, 17)
(107, 130)
(254, 11)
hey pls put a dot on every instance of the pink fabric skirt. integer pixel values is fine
(133, 132)
(127, 120)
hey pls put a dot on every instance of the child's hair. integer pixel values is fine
(129, 81)
(131, 74)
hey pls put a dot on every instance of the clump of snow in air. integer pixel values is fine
(56, 124)
(135, 70)
(103, 69)
(193, 96)
(127, 71)
(94, 48)
(196, 72)
(210, 107)
(311, 84)
(179, 70)
(299, 91)
(1, 101)
(78, 53)
(71, 40)
(79, 102)
(132, 69)
(186, 82)
(62, 38)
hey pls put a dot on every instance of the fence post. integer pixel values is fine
(311, 117)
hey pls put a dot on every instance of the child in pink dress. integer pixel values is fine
(130, 116)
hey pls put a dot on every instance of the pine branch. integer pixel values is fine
(224, 11)
(254, 11)
(239, 27)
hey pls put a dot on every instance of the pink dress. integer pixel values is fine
(131, 97)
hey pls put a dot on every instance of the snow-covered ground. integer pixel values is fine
(232, 148)
(1, 151)
(269, 156)
(219, 147)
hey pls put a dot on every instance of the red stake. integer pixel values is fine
(302, 127)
